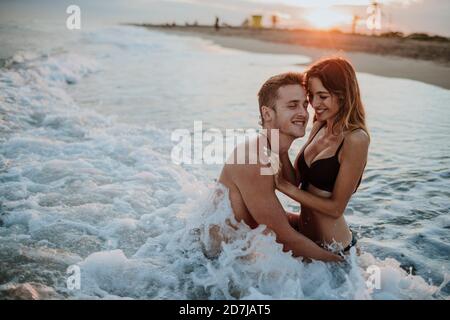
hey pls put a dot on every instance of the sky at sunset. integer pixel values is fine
(431, 16)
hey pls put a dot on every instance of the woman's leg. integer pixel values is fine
(294, 219)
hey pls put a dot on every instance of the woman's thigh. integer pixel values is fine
(294, 219)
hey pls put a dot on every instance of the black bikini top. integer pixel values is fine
(323, 172)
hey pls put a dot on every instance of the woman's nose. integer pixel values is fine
(315, 103)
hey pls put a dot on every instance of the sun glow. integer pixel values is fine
(326, 18)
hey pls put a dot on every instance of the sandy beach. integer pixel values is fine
(425, 61)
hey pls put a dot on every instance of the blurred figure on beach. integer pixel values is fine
(216, 24)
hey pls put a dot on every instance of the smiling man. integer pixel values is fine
(283, 107)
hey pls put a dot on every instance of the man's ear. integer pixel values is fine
(267, 113)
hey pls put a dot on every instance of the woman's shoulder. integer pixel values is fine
(357, 137)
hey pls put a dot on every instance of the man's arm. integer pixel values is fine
(258, 193)
(287, 169)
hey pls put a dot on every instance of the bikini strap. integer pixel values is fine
(339, 149)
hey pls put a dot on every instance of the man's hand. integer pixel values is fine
(280, 182)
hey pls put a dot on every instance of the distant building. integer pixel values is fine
(256, 21)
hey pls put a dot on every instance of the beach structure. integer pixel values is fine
(373, 21)
(256, 21)
(355, 22)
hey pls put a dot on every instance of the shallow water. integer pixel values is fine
(86, 176)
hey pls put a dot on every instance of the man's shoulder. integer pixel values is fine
(247, 161)
(249, 154)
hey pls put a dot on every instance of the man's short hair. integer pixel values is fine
(268, 94)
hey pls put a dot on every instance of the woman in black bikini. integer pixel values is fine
(330, 165)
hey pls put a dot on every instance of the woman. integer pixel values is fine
(330, 165)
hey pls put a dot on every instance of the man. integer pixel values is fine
(283, 107)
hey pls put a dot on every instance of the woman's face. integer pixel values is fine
(325, 104)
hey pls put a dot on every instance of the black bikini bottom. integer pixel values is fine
(353, 243)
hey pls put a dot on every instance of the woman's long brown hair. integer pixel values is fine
(339, 78)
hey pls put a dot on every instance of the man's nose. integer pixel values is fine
(302, 111)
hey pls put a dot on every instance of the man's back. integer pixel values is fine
(231, 177)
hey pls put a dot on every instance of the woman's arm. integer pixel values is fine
(353, 160)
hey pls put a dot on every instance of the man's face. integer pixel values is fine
(291, 114)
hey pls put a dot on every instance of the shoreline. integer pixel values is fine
(435, 72)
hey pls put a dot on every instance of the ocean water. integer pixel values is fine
(86, 176)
